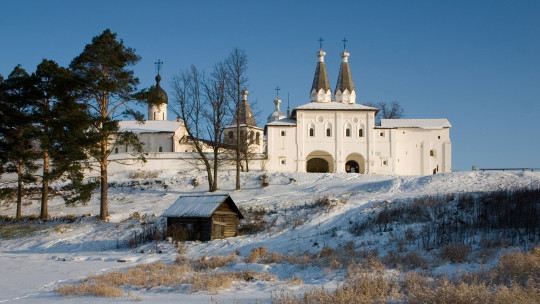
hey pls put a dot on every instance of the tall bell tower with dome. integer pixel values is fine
(158, 111)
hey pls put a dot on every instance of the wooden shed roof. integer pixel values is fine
(203, 206)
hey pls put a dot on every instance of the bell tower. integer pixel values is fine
(157, 109)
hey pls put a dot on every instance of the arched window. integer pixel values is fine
(160, 149)
(328, 130)
(311, 132)
(115, 150)
(258, 138)
(360, 132)
(282, 133)
(251, 136)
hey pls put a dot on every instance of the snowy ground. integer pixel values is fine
(32, 266)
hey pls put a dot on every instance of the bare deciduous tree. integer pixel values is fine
(387, 111)
(203, 106)
(236, 64)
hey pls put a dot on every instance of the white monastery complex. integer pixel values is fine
(323, 135)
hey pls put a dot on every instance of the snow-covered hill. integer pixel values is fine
(64, 251)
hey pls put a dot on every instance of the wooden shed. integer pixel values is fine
(202, 217)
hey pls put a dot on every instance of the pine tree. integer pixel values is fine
(61, 123)
(17, 131)
(2, 119)
(108, 89)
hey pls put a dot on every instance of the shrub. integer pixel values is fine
(90, 289)
(215, 261)
(518, 267)
(143, 174)
(273, 258)
(456, 253)
(257, 253)
(253, 222)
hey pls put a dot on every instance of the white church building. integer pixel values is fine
(324, 135)
(341, 136)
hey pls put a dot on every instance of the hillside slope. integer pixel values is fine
(301, 214)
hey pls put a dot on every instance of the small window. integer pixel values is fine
(432, 153)
(381, 134)
(361, 133)
(348, 132)
(439, 137)
(328, 132)
(160, 149)
(283, 133)
(115, 150)
(385, 162)
(258, 138)
(283, 161)
(311, 132)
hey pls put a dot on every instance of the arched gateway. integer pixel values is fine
(319, 162)
(355, 163)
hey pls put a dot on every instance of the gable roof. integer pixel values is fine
(203, 206)
(149, 126)
(283, 122)
(430, 124)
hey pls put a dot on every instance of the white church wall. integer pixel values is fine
(281, 149)
(340, 145)
(422, 152)
(169, 160)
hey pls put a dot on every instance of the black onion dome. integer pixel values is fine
(157, 93)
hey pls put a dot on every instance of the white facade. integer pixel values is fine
(321, 136)
(156, 135)
(341, 136)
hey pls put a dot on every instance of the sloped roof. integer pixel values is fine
(202, 206)
(245, 113)
(345, 81)
(149, 126)
(320, 81)
(283, 122)
(431, 124)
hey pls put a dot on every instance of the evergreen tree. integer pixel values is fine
(2, 120)
(109, 90)
(61, 123)
(17, 131)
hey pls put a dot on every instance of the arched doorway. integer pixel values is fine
(355, 163)
(319, 162)
(317, 165)
(352, 167)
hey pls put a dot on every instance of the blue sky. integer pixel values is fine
(476, 63)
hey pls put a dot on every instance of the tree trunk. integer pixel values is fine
(104, 209)
(216, 162)
(19, 190)
(210, 180)
(45, 186)
(238, 160)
